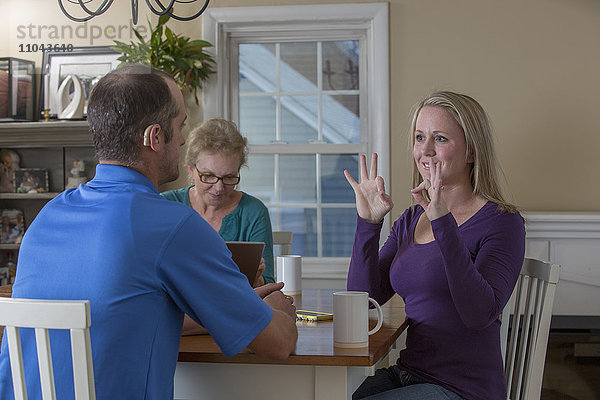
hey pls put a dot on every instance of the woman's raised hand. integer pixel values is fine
(435, 208)
(372, 203)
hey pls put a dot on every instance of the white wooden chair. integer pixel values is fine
(283, 239)
(531, 309)
(43, 315)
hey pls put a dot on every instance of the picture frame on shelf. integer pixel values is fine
(88, 63)
(17, 89)
(12, 226)
(31, 180)
(9, 161)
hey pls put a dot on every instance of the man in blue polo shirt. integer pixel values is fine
(141, 260)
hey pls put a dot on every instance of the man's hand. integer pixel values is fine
(265, 290)
(279, 301)
(279, 338)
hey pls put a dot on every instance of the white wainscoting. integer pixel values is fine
(569, 239)
(573, 241)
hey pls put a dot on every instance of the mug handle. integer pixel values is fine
(379, 316)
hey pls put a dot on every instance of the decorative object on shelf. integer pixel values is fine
(70, 98)
(75, 179)
(46, 99)
(31, 180)
(4, 274)
(9, 161)
(89, 64)
(11, 266)
(13, 226)
(105, 5)
(179, 56)
(17, 86)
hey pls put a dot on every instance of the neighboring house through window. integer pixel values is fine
(309, 86)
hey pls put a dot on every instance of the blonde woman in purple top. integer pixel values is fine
(454, 257)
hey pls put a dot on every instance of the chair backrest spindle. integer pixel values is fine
(42, 315)
(531, 308)
(283, 239)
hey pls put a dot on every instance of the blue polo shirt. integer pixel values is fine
(249, 222)
(143, 262)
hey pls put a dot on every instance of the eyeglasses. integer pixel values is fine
(212, 179)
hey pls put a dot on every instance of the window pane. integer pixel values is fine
(303, 222)
(299, 118)
(257, 67)
(341, 119)
(298, 69)
(246, 85)
(340, 65)
(334, 186)
(287, 93)
(257, 178)
(338, 229)
(297, 178)
(257, 119)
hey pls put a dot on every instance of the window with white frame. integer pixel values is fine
(308, 86)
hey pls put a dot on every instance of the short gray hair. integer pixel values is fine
(213, 136)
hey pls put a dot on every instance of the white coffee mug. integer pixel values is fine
(289, 271)
(351, 319)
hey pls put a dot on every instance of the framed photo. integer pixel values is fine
(17, 89)
(13, 226)
(31, 180)
(89, 64)
(9, 161)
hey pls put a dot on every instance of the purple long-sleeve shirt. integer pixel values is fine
(454, 289)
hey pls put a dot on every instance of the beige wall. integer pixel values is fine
(25, 22)
(534, 66)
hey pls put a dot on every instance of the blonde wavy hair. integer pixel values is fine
(473, 120)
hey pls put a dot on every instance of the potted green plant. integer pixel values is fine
(177, 55)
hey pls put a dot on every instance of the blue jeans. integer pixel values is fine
(394, 383)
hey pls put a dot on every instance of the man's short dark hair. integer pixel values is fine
(122, 104)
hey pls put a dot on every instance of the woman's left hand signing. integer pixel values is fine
(436, 207)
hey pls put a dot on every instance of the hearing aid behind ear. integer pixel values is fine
(147, 134)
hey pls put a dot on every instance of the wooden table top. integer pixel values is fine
(315, 339)
(6, 291)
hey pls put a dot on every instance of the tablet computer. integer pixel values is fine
(247, 256)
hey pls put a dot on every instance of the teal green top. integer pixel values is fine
(249, 222)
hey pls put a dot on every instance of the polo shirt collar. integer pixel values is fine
(115, 175)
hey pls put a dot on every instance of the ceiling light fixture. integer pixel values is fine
(161, 10)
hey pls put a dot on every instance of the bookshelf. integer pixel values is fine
(53, 146)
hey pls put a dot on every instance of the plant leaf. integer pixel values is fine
(138, 35)
(177, 55)
(169, 34)
(200, 43)
(163, 19)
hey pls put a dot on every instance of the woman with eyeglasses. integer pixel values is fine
(215, 153)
